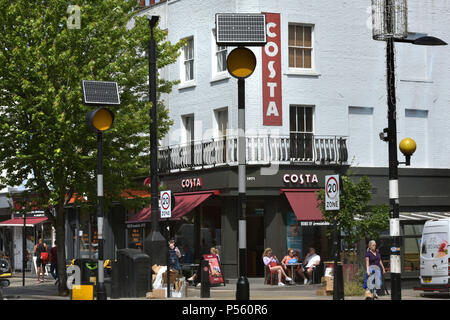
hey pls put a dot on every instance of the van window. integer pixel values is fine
(434, 245)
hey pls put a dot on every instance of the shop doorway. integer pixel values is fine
(255, 245)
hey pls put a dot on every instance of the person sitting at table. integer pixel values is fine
(272, 263)
(289, 259)
(311, 261)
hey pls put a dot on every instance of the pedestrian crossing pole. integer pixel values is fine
(241, 63)
(394, 222)
(101, 290)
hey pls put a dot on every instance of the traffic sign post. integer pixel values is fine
(166, 204)
(165, 201)
(332, 192)
(332, 203)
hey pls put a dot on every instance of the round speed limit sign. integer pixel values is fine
(166, 207)
(332, 192)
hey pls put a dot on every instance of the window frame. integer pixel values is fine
(184, 82)
(217, 75)
(302, 71)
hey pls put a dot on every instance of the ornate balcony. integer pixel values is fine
(298, 148)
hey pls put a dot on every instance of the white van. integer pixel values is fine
(434, 257)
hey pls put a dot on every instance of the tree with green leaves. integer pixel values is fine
(356, 219)
(46, 49)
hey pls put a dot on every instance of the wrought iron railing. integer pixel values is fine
(298, 148)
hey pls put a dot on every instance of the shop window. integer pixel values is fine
(135, 238)
(411, 254)
(210, 229)
(185, 237)
(88, 235)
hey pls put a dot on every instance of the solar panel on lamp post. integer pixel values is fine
(241, 29)
(101, 119)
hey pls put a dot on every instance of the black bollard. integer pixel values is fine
(339, 289)
(204, 278)
(243, 289)
(115, 274)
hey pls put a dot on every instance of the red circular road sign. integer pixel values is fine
(332, 187)
(165, 201)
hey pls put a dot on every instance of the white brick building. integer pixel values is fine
(333, 86)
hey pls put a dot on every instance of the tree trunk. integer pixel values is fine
(60, 239)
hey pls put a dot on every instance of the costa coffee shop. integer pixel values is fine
(281, 213)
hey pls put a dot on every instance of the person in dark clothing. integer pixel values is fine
(40, 248)
(54, 262)
(174, 255)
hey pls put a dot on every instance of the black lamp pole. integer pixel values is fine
(395, 266)
(24, 244)
(155, 244)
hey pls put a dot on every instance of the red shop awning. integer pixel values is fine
(18, 222)
(184, 203)
(303, 203)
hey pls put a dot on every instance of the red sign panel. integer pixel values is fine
(271, 72)
(215, 273)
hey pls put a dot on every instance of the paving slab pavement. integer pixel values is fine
(258, 291)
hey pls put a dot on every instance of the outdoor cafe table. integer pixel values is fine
(292, 265)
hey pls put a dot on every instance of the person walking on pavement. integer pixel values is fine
(54, 262)
(374, 267)
(40, 250)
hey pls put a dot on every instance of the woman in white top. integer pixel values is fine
(274, 266)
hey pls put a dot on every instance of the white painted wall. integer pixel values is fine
(350, 71)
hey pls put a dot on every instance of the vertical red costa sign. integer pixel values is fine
(271, 73)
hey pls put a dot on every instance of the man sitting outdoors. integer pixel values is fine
(311, 261)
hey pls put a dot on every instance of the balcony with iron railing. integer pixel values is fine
(298, 148)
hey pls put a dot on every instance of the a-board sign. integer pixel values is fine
(215, 273)
(332, 189)
(165, 200)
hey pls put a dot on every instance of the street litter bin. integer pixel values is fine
(88, 269)
(134, 273)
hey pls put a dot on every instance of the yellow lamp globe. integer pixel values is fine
(407, 146)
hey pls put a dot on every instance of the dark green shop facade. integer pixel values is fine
(281, 213)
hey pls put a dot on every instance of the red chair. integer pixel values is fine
(270, 274)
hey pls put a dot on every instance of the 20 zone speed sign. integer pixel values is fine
(166, 207)
(332, 192)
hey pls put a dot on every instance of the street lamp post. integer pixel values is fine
(389, 19)
(155, 244)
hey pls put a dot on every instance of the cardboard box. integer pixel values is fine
(157, 294)
(173, 276)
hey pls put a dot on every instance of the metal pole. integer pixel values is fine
(168, 260)
(155, 244)
(243, 287)
(24, 243)
(101, 290)
(153, 132)
(394, 229)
